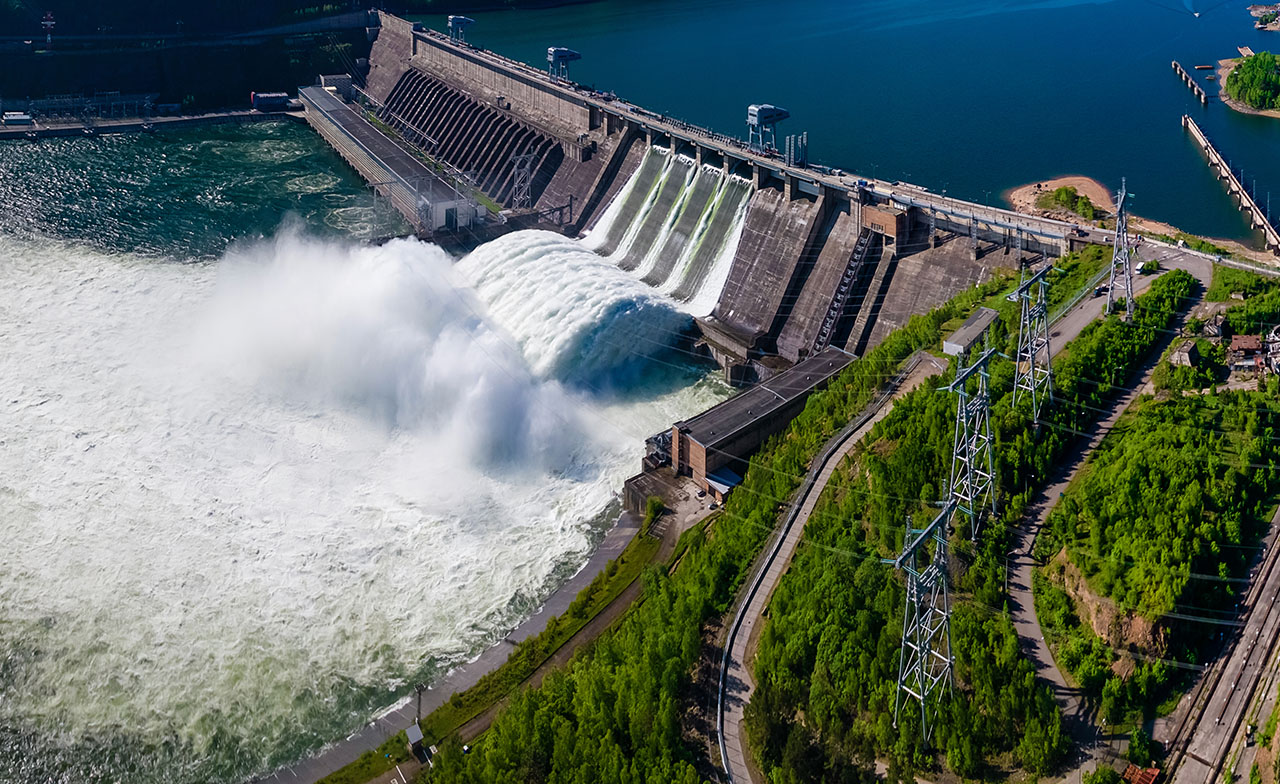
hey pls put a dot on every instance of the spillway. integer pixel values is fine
(675, 225)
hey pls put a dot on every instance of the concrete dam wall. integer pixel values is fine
(776, 262)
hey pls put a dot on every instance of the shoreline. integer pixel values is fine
(1225, 67)
(1022, 199)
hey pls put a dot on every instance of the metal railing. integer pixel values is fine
(402, 193)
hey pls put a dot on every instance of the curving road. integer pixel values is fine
(736, 683)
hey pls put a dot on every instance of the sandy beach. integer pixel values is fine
(1023, 199)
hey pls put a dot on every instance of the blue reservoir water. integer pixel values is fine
(975, 96)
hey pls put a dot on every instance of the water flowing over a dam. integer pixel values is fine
(575, 316)
(287, 483)
(675, 225)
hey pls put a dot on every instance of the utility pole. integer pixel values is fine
(972, 474)
(926, 667)
(1121, 255)
(1033, 373)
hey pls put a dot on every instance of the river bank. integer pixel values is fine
(1225, 67)
(1023, 199)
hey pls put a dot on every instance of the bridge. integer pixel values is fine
(1258, 219)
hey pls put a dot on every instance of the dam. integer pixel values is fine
(776, 260)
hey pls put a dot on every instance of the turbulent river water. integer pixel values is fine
(258, 476)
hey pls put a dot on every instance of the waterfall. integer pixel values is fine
(675, 226)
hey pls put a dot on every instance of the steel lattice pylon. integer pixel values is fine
(520, 194)
(1121, 255)
(972, 488)
(1033, 372)
(926, 665)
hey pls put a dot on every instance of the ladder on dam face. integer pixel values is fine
(841, 297)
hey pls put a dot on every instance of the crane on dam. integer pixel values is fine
(458, 27)
(558, 59)
(762, 122)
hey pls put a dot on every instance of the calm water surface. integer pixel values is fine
(975, 96)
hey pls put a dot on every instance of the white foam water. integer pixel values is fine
(245, 502)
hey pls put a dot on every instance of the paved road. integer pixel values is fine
(736, 682)
(1087, 745)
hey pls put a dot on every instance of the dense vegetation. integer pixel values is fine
(1230, 280)
(827, 658)
(1178, 492)
(614, 714)
(1256, 81)
(1160, 523)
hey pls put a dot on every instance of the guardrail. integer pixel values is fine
(380, 175)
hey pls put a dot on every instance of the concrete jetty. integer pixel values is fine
(1196, 89)
(421, 195)
(1257, 217)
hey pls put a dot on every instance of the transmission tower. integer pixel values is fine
(972, 487)
(1121, 255)
(1033, 373)
(925, 666)
(521, 197)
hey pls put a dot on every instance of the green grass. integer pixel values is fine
(530, 654)
(1269, 731)
(372, 763)
(1227, 280)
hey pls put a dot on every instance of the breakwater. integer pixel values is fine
(1258, 218)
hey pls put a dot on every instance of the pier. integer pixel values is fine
(1196, 89)
(1257, 218)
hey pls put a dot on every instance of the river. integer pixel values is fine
(258, 475)
(972, 96)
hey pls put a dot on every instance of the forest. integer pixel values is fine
(1180, 487)
(617, 713)
(1164, 520)
(1256, 81)
(827, 658)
